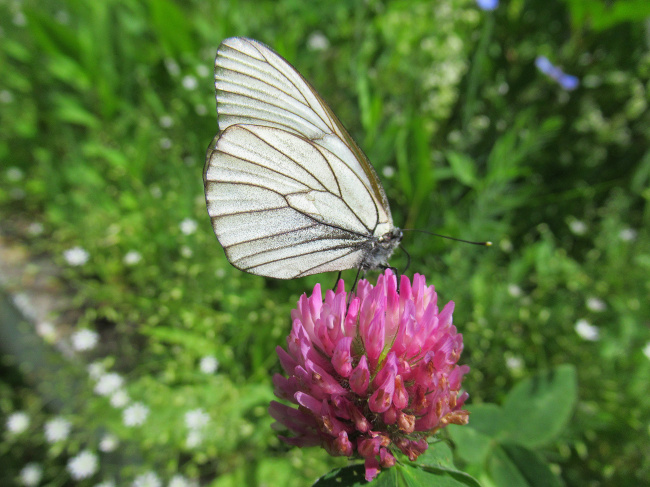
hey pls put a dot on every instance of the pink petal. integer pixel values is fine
(360, 377)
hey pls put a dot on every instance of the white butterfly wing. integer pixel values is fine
(288, 191)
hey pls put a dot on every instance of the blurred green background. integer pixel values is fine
(107, 109)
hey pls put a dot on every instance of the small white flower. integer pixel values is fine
(119, 399)
(57, 429)
(194, 439)
(514, 363)
(108, 384)
(84, 465)
(84, 339)
(196, 419)
(188, 226)
(202, 70)
(18, 422)
(186, 251)
(96, 370)
(189, 82)
(578, 227)
(14, 174)
(627, 234)
(317, 41)
(646, 350)
(388, 171)
(135, 415)
(200, 109)
(19, 19)
(148, 479)
(595, 304)
(76, 256)
(155, 191)
(514, 290)
(182, 481)
(35, 229)
(132, 257)
(172, 67)
(209, 364)
(586, 330)
(62, 17)
(165, 143)
(220, 273)
(46, 330)
(6, 96)
(31, 475)
(166, 121)
(106, 483)
(108, 443)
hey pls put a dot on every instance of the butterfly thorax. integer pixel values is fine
(381, 250)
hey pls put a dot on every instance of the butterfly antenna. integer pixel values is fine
(408, 258)
(485, 244)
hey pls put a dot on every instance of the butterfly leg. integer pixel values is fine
(338, 278)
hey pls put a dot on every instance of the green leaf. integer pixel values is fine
(398, 476)
(538, 408)
(487, 419)
(463, 167)
(503, 471)
(471, 445)
(532, 466)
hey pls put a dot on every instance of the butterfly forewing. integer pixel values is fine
(288, 191)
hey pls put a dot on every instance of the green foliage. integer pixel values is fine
(498, 443)
(107, 108)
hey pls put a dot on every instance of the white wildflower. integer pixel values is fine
(96, 370)
(35, 228)
(57, 429)
(172, 67)
(196, 419)
(19, 19)
(84, 339)
(200, 109)
(595, 304)
(165, 143)
(190, 82)
(166, 121)
(106, 483)
(18, 422)
(514, 290)
(627, 234)
(586, 330)
(76, 256)
(388, 171)
(578, 227)
(188, 226)
(108, 384)
(181, 481)
(14, 174)
(46, 330)
(119, 399)
(6, 96)
(148, 479)
(132, 257)
(209, 364)
(514, 363)
(186, 251)
(108, 443)
(194, 439)
(31, 475)
(135, 415)
(317, 41)
(84, 465)
(203, 71)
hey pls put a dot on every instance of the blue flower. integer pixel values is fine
(566, 81)
(487, 4)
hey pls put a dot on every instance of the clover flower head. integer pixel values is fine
(31, 474)
(374, 377)
(135, 415)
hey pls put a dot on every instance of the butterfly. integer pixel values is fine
(288, 191)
